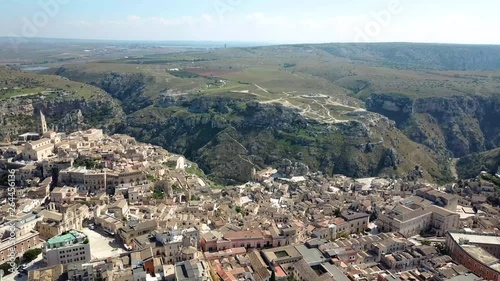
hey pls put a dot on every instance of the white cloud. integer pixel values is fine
(133, 18)
(258, 26)
(262, 19)
(81, 23)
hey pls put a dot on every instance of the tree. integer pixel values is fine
(158, 194)
(442, 248)
(55, 178)
(4, 179)
(150, 178)
(426, 242)
(273, 275)
(7, 267)
(238, 209)
(31, 254)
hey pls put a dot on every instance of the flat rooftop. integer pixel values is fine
(311, 256)
(335, 271)
(480, 254)
(281, 253)
(476, 238)
(65, 238)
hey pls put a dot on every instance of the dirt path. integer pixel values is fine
(260, 88)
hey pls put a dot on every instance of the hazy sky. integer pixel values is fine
(283, 21)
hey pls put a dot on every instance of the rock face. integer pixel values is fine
(63, 114)
(391, 158)
(126, 87)
(228, 137)
(72, 121)
(459, 124)
(292, 169)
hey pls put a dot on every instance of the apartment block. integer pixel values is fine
(68, 248)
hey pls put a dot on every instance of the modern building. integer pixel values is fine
(479, 252)
(68, 248)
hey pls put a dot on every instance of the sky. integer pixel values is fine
(271, 21)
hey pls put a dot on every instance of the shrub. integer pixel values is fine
(7, 268)
(31, 254)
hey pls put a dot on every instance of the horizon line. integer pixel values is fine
(256, 43)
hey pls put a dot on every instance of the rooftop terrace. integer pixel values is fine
(71, 237)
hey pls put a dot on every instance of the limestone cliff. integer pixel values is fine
(458, 124)
(227, 137)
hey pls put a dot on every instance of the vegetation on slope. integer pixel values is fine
(471, 165)
(419, 56)
(68, 105)
(228, 137)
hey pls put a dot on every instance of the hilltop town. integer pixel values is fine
(91, 206)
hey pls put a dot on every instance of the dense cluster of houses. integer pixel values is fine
(80, 193)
